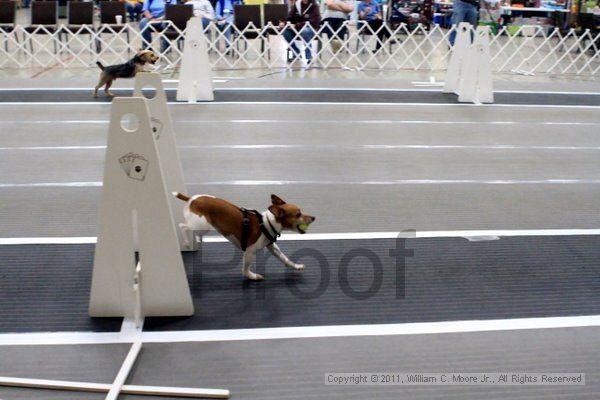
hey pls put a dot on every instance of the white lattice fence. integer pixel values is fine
(532, 49)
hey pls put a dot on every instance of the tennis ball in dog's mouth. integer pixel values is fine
(303, 227)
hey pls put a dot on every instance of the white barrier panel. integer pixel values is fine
(164, 135)
(459, 54)
(135, 206)
(476, 84)
(530, 50)
(195, 77)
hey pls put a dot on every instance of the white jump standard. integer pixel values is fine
(195, 76)
(469, 71)
(135, 214)
(164, 136)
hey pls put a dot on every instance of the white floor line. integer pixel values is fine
(376, 104)
(128, 327)
(495, 182)
(424, 328)
(400, 90)
(306, 89)
(342, 236)
(80, 121)
(331, 121)
(306, 103)
(51, 184)
(321, 146)
(322, 89)
(48, 240)
(405, 182)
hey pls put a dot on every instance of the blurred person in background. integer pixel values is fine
(154, 14)
(370, 11)
(464, 11)
(305, 17)
(336, 14)
(224, 17)
(134, 9)
(204, 9)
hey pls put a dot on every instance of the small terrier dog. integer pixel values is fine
(248, 230)
(125, 70)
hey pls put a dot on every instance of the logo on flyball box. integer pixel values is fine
(134, 165)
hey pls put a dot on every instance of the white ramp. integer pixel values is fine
(135, 207)
(195, 76)
(164, 135)
(476, 84)
(458, 57)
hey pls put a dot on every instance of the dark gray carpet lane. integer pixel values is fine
(46, 287)
(357, 282)
(312, 96)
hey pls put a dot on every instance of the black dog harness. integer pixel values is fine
(271, 237)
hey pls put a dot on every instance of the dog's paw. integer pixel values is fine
(95, 94)
(254, 277)
(298, 266)
(110, 94)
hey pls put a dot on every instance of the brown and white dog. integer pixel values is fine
(125, 70)
(203, 213)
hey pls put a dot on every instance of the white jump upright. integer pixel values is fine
(164, 135)
(476, 85)
(135, 208)
(459, 55)
(469, 72)
(195, 77)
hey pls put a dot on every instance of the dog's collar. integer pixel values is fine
(271, 232)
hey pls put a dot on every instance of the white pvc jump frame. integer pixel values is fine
(118, 386)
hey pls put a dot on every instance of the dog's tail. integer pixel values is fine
(180, 196)
(99, 64)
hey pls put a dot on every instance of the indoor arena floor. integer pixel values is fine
(499, 204)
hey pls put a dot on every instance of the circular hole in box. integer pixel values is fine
(130, 122)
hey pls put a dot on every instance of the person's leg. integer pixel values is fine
(375, 25)
(164, 44)
(130, 8)
(458, 16)
(226, 29)
(338, 28)
(472, 16)
(335, 31)
(383, 33)
(307, 36)
(146, 33)
(333, 28)
(138, 11)
(328, 27)
(227, 32)
(289, 35)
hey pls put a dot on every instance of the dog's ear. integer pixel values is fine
(276, 201)
(277, 211)
(137, 58)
